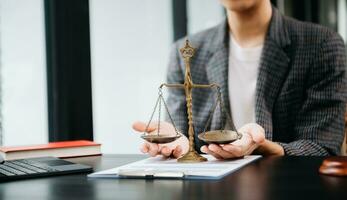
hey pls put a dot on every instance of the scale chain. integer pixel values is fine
(222, 125)
(228, 117)
(168, 113)
(158, 105)
(222, 111)
(151, 118)
(211, 113)
(159, 113)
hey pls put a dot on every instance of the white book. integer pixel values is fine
(159, 167)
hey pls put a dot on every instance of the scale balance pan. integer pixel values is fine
(219, 136)
(160, 139)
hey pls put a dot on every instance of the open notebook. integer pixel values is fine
(159, 167)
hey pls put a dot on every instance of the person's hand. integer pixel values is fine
(253, 135)
(174, 149)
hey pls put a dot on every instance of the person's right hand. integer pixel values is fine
(175, 149)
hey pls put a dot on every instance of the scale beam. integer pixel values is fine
(213, 85)
(171, 85)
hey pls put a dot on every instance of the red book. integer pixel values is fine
(57, 149)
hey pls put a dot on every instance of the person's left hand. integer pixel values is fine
(252, 136)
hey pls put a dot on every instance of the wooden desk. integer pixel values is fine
(269, 178)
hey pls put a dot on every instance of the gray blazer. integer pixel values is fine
(300, 92)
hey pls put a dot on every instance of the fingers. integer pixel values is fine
(177, 152)
(244, 146)
(170, 149)
(227, 151)
(220, 151)
(235, 150)
(166, 151)
(256, 132)
(153, 149)
(245, 141)
(144, 148)
(252, 148)
(141, 127)
(206, 150)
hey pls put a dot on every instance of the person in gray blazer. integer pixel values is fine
(282, 81)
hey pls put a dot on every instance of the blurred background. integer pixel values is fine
(79, 69)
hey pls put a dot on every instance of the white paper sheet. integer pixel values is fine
(158, 167)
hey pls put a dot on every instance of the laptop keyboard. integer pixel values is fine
(24, 167)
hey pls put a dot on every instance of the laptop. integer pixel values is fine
(38, 167)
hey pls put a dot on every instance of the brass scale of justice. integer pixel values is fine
(214, 136)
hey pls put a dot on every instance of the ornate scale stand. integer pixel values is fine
(215, 136)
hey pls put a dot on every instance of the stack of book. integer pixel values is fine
(56, 149)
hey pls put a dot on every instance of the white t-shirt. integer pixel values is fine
(243, 72)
